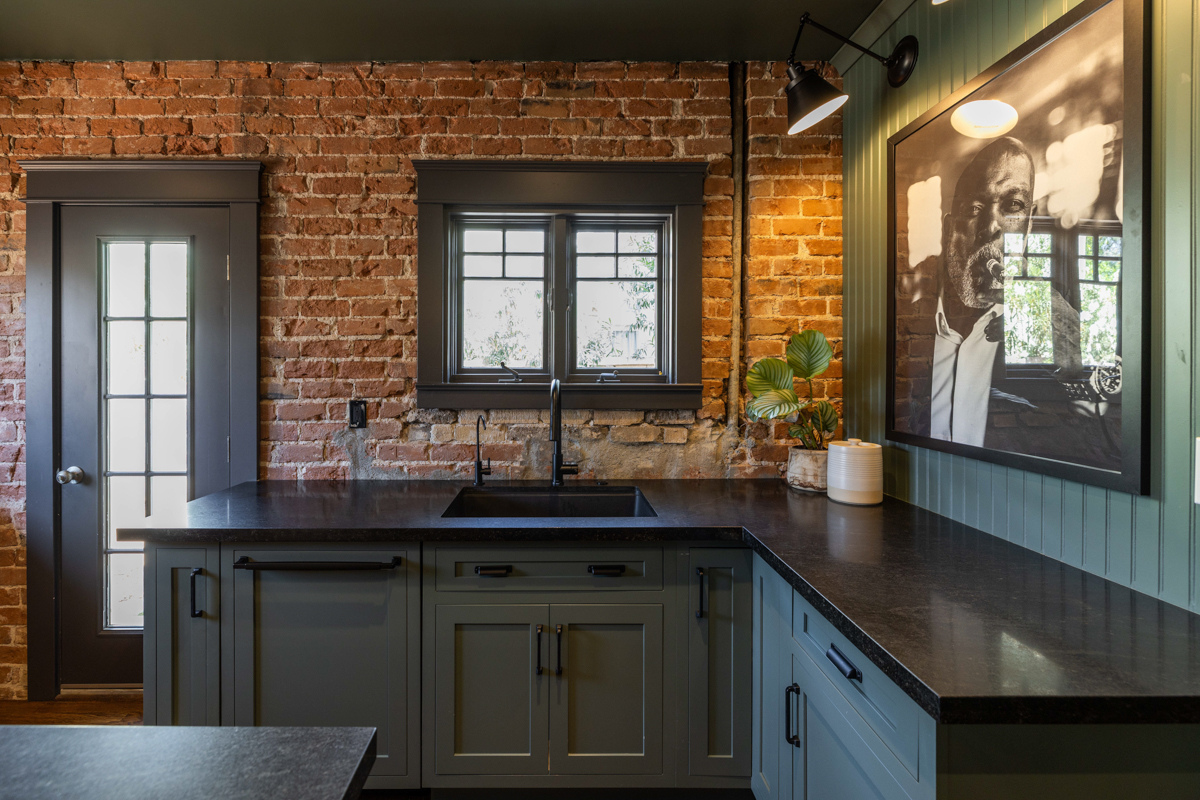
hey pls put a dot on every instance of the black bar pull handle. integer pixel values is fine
(196, 612)
(313, 566)
(494, 571)
(606, 570)
(792, 738)
(844, 665)
(539, 649)
(700, 609)
(558, 633)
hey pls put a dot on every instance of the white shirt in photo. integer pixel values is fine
(962, 379)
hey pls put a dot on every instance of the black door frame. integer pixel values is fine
(49, 186)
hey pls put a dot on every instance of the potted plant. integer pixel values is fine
(772, 382)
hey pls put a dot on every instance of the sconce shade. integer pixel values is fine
(810, 99)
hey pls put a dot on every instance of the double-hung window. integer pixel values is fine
(585, 273)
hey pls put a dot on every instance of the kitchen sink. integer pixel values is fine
(548, 501)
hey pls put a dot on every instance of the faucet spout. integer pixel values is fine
(557, 467)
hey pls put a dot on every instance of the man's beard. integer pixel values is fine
(981, 283)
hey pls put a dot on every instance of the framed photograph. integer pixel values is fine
(1018, 291)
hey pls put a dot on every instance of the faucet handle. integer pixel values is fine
(569, 469)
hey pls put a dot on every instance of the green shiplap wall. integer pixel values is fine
(1148, 543)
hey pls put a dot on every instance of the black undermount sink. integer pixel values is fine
(548, 501)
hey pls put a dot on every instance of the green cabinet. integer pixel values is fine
(606, 689)
(490, 689)
(326, 636)
(770, 773)
(181, 640)
(718, 619)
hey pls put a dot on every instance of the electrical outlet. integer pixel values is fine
(358, 413)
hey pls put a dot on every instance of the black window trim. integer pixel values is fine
(604, 191)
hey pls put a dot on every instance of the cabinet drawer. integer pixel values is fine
(520, 569)
(892, 714)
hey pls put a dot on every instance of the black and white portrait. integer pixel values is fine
(1012, 256)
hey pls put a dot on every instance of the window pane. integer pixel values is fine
(1110, 271)
(1012, 266)
(168, 357)
(525, 241)
(125, 590)
(616, 325)
(1038, 243)
(1110, 245)
(168, 279)
(477, 240)
(126, 435)
(638, 241)
(593, 267)
(502, 321)
(524, 266)
(1085, 269)
(1028, 337)
(1098, 324)
(126, 279)
(1014, 243)
(1038, 267)
(482, 266)
(596, 241)
(168, 499)
(126, 508)
(168, 435)
(1087, 246)
(637, 267)
(126, 358)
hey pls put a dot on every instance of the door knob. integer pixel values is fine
(69, 475)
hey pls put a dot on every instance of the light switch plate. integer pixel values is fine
(358, 413)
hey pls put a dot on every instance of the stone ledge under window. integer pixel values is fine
(574, 395)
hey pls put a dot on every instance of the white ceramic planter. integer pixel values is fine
(807, 469)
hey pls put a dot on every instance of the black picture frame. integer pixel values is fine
(1131, 473)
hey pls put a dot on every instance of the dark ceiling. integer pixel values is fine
(419, 30)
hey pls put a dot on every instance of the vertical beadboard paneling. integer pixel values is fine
(1148, 543)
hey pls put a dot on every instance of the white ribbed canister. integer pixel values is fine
(855, 472)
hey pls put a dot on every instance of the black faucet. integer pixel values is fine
(558, 468)
(480, 469)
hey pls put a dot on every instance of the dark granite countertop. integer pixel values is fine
(974, 628)
(97, 762)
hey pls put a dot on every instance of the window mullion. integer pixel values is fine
(561, 308)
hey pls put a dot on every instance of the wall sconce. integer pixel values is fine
(811, 98)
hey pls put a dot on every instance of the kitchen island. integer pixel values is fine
(976, 643)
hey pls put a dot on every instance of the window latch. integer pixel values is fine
(608, 377)
(516, 377)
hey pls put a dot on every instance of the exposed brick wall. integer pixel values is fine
(338, 247)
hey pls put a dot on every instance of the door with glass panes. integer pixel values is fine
(144, 398)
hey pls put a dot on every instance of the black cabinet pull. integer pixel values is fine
(844, 665)
(606, 570)
(558, 633)
(494, 571)
(311, 566)
(539, 649)
(792, 738)
(700, 609)
(192, 579)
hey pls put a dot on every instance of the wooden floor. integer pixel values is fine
(124, 708)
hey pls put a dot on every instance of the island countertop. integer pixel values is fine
(974, 628)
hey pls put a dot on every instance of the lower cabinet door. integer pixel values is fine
(719, 641)
(771, 773)
(830, 761)
(606, 689)
(321, 638)
(490, 689)
(181, 672)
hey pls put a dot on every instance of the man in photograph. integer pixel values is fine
(993, 197)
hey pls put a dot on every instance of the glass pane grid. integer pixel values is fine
(503, 295)
(616, 288)
(146, 402)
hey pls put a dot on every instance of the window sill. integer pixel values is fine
(575, 395)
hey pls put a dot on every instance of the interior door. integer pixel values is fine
(491, 668)
(144, 398)
(606, 705)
